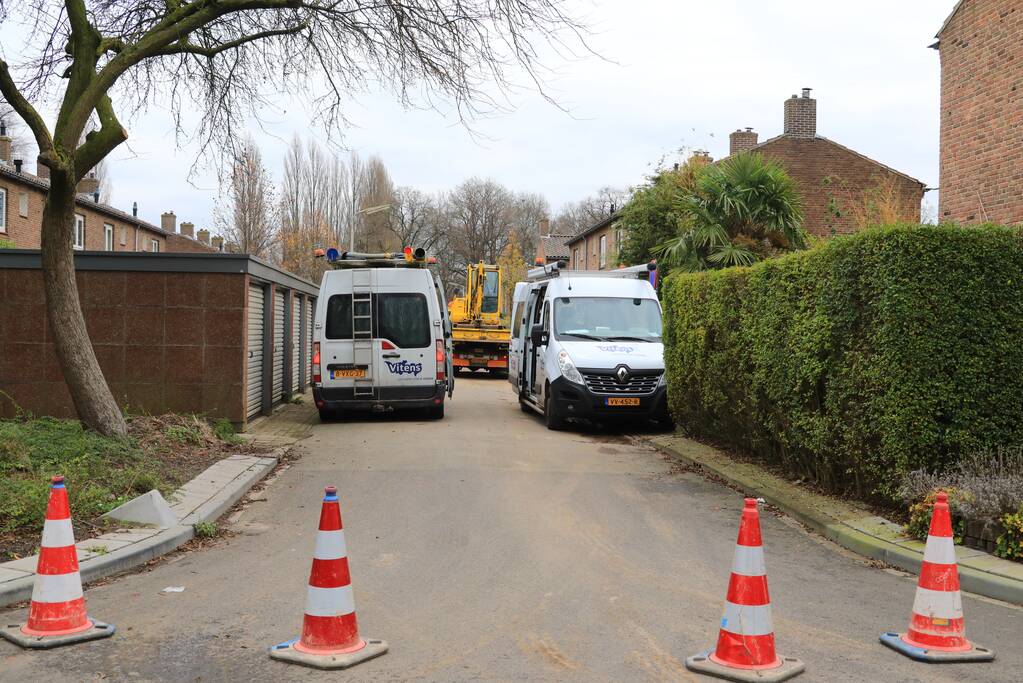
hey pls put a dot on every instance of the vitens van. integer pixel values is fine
(381, 336)
(588, 345)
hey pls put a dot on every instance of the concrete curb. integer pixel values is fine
(162, 542)
(836, 521)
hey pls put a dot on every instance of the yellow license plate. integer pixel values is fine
(622, 401)
(351, 373)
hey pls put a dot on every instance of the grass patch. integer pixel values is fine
(205, 529)
(101, 473)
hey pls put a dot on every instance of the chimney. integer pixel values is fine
(89, 184)
(218, 243)
(135, 209)
(203, 236)
(169, 222)
(5, 144)
(188, 230)
(95, 196)
(544, 226)
(741, 141)
(17, 165)
(703, 154)
(42, 171)
(801, 116)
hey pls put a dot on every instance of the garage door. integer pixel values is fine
(310, 328)
(278, 375)
(254, 361)
(296, 341)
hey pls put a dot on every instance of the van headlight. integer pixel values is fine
(568, 369)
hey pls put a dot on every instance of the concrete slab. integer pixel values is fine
(133, 536)
(995, 565)
(8, 574)
(879, 527)
(149, 508)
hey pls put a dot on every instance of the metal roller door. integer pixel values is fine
(278, 360)
(310, 327)
(254, 360)
(296, 342)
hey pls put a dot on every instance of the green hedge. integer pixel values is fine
(853, 363)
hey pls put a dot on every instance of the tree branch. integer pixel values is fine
(100, 142)
(25, 110)
(192, 49)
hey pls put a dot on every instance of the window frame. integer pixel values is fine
(602, 251)
(575, 259)
(154, 245)
(23, 199)
(3, 212)
(124, 235)
(76, 244)
(108, 236)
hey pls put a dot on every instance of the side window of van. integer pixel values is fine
(339, 317)
(546, 317)
(516, 320)
(403, 319)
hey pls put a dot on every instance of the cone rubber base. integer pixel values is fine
(974, 654)
(13, 633)
(788, 668)
(286, 652)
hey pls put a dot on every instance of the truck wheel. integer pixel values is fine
(553, 421)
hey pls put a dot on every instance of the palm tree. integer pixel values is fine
(744, 209)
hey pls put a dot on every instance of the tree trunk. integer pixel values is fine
(92, 397)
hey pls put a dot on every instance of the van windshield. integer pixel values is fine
(581, 318)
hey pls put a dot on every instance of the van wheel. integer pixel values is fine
(553, 421)
(435, 412)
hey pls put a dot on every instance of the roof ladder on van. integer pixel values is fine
(362, 330)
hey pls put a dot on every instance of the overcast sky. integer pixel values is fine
(677, 74)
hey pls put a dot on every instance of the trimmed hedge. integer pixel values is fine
(851, 364)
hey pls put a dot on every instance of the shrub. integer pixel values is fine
(1010, 544)
(920, 515)
(852, 364)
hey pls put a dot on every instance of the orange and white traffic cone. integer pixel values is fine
(330, 633)
(57, 613)
(745, 648)
(937, 630)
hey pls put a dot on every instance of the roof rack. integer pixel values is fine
(553, 270)
(410, 258)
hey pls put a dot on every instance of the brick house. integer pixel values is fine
(596, 247)
(982, 112)
(98, 226)
(550, 247)
(829, 175)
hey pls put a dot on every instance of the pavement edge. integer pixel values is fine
(809, 509)
(161, 543)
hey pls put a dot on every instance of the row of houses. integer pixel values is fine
(98, 225)
(981, 145)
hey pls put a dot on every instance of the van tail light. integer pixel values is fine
(316, 362)
(441, 361)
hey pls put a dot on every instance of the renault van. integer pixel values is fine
(587, 345)
(381, 337)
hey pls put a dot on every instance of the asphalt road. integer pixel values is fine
(484, 547)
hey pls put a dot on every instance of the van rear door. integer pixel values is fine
(405, 334)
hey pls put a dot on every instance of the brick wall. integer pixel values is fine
(824, 170)
(24, 230)
(982, 113)
(801, 115)
(165, 341)
(589, 249)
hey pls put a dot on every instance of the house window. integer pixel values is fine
(124, 235)
(108, 237)
(155, 246)
(575, 259)
(603, 252)
(3, 209)
(618, 241)
(23, 204)
(79, 239)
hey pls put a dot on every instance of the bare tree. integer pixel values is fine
(225, 57)
(377, 190)
(416, 220)
(479, 215)
(529, 210)
(250, 220)
(575, 217)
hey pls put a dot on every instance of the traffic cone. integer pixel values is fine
(937, 630)
(57, 613)
(330, 634)
(745, 649)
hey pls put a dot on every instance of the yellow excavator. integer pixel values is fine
(479, 337)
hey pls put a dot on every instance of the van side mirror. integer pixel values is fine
(537, 335)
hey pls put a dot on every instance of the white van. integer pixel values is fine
(381, 337)
(587, 344)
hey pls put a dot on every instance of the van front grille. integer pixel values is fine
(638, 382)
